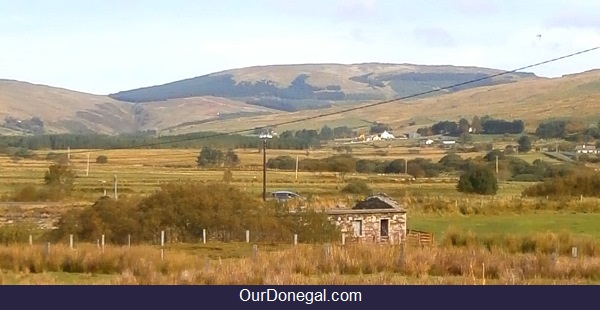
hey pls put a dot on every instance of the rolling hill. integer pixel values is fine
(27, 108)
(313, 86)
(574, 96)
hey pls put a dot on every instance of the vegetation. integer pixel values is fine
(185, 209)
(479, 180)
(102, 159)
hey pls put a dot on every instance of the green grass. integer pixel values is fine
(577, 224)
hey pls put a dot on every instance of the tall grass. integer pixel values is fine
(307, 264)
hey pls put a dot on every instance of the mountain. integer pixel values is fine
(313, 86)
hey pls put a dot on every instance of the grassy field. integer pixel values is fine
(302, 264)
(579, 224)
(433, 204)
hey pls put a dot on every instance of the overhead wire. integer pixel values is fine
(351, 109)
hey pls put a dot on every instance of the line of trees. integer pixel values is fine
(185, 209)
(483, 125)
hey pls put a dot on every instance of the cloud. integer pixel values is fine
(434, 37)
(479, 7)
(357, 9)
(571, 19)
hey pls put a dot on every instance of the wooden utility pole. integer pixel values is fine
(296, 167)
(116, 193)
(264, 193)
(496, 164)
(87, 169)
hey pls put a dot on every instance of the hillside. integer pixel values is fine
(574, 96)
(313, 86)
(27, 108)
(172, 114)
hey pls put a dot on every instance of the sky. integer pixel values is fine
(107, 46)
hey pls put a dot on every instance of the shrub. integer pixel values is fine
(358, 187)
(478, 179)
(102, 159)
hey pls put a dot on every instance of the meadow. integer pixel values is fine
(491, 231)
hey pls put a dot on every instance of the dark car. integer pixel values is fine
(284, 195)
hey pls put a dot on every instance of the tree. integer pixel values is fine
(227, 176)
(476, 124)
(525, 144)
(102, 159)
(463, 126)
(209, 157)
(231, 158)
(326, 133)
(479, 179)
(60, 177)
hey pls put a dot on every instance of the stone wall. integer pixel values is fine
(371, 230)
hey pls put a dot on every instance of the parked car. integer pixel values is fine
(284, 195)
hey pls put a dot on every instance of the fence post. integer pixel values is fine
(326, 250)
(30, 240)
(343, 238)
(102, 243)
(98, 243)
(295, 239)
(129, 241)
(162, 244)
(574, 252)
(247, 236)
(71, 241)
(47, 250)
(255, 251)
(204, 236)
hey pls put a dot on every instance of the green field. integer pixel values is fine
(578, 224)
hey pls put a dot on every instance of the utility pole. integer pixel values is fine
(87, 169)
(405, 166)
(296, 167)
(116, 194)
(496, 164)
(264, 193)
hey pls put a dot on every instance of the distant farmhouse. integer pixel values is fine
(377, 219)
(379, 137)
(586, 149)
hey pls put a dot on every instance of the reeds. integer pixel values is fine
(307, 264)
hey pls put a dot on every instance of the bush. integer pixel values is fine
(185, 209)
(478, 179)
(358, 187)
(102, 159)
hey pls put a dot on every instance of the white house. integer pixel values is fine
(586, 149)
(386, 136)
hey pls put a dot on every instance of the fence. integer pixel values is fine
(420, 238)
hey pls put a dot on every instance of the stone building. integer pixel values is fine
(377, 219)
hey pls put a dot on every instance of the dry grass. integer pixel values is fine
(305, 264)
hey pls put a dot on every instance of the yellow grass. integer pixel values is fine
(302, 264)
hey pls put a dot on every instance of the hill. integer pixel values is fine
(27, 108)
(313, 86)
(533, 101)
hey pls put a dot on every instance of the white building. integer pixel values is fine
(386, 136)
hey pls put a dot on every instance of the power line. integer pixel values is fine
(356, 107)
